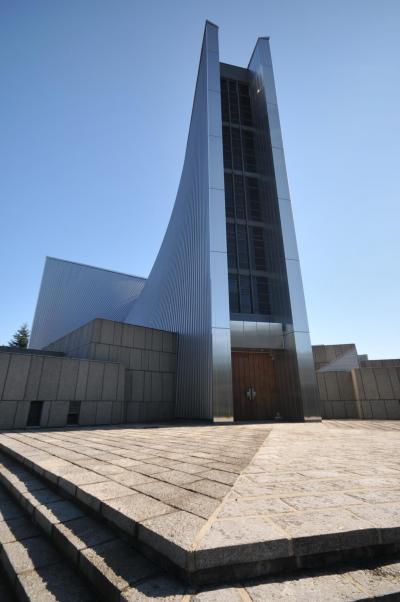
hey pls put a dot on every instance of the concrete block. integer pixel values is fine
(140, 337)
(117, 340)
(394, 376)
(44, 419)
(378, 409)
(137, 386)
(96, 331)
(17, 376)
(332, 387)
(91, 351)
(135, 359)
(113, 353)
(81, 385)
(7, 413)
(124, 354)
(154, 360)
(327, 411)
(58, 413)
(392, 409)
(156, 386)
(133, 411)
(121, 384)
(345, 384)
(167, 411)
(127, 335)
(21, 415)
(369, 382)
(68, 379)
(321, 386)
(338, 410)
(351, 409)
(167, 341)
(148, 338)
(50, 378)
(157, 340)
(168, 387)
(87, 414)
(358, 384)
(110, 382)
(172, 362)
(147, 386)
(164, 362)
(103, 415)
(145, 359)
(152, 411)
(4, 362)
(107, 332)
(101, 352)
(117, 415)
(35, 372)
(366, 409)
(95, 381)
(384, 384)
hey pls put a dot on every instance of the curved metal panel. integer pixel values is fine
(297, 338)
(187, 290)
(71, 294)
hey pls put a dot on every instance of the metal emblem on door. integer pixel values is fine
(251, 393)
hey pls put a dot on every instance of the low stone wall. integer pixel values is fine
(366, 393)
(149, 356)
(102, 373)
(68, 390)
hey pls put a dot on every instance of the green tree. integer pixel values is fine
(21, 337)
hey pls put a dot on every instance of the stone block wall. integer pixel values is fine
(148, 354)
(366, 393)
(393, 363)
(58, 383)
(112, 372)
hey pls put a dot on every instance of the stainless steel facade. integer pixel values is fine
(296, 335)
(71, 294)
(187, 289)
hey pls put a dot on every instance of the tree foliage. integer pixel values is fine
(21, 337)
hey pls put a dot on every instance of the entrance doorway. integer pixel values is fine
(254, 386)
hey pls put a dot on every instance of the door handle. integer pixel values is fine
(251, 393)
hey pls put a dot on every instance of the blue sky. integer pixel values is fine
(94, 111)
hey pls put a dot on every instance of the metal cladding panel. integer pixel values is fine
(297, 337)
(71, 294)
(187, 290)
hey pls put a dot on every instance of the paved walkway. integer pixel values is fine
(315, 487)
(222, 497)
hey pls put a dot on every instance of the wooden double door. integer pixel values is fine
(254, 385)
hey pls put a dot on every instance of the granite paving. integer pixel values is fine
(219, 496)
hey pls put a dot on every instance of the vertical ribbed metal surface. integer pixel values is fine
(297, 337)
(71, 294)
(187, 290)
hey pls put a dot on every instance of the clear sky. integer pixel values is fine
(95, 102)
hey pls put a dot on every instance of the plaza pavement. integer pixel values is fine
(212, 504)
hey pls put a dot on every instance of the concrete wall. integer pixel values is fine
(149, 356)
(380, 363)
(364, 393)
(56, 381)
(335, 357)
(118, 373)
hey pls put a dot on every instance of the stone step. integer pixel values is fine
(235, 540)
(43, 530)
(94, 550)
(35, 570)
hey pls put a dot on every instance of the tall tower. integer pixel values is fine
(227, 277)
